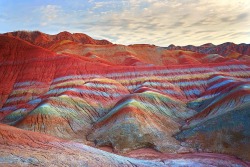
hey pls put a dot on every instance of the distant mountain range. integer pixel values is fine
(226, 49)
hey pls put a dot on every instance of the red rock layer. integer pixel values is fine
(41, 39)
(125, 97)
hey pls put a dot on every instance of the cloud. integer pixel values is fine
(177, 24)
(242, 16)
(164, 22)
(49, 13)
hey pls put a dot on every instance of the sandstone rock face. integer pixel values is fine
(45, 40)
(25, 148)
(60, 93)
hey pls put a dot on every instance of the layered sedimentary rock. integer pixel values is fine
(227, 49)
(128, 99)
(45, 40)
(143, 119)
(25, 148)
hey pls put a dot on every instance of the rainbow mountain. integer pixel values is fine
(70, 100)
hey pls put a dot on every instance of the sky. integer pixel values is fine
(159, 22)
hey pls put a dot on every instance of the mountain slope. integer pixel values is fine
(125, 100)
(44, 40)
(227, 49)
(25, 148)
